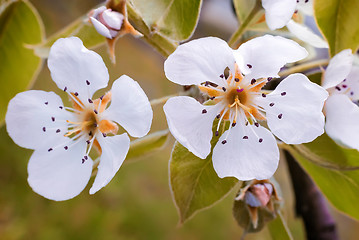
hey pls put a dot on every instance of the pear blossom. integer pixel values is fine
(341, 79)
(279, 13)
(247, 150)
(106, 21)
(62, 137)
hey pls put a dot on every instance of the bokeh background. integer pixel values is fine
(137, 203)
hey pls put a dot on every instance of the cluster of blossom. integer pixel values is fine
(63, 137)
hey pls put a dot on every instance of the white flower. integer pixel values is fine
(247, 150)
(341, 79)
(62, 137)
(279, 14)
(107, 22)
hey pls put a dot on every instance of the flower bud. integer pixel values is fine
(256, 204)
(107, 22)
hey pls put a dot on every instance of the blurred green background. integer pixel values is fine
(137, 203)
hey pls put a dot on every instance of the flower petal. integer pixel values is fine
(199, 61)
(59, 174)
(189, 125)
(306, 7)
(342, 117)
(352, 82)
(130, 107)
(34, 117)
(306, 35)
(100, 28)
(250, 153)
(278, 12)
(265, 56)
(296, 116)
(75, 67)
(338, 69)
(114, 151)
(113, 19)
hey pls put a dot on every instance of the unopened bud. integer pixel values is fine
(107, 22)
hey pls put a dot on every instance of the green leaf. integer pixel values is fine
(194, 184)
(340, 187)
(338, 21)
(143, 146)
(20, 25)
(325, 152)
(175, 19)
(278, 229)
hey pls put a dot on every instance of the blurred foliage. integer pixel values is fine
(193, 182)
(20, 26)
(338, 21)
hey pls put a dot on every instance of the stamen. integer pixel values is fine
(253, 81)
(90, 101)
(260, 140)
(283, 93)
(245, 137)
(50, 149)
(204, 111)
(249, 66)
(61, 107)
(271, 104)
(65, 89)
(236, 79)
(76, 94)
(337, 88)
(66, 147)
(269, 79)
(224, 141)
(95, 111)
(46, 103)
(58, 130)
(264, 95)
(280, 116)
(87, 82)
(240, 90)
(53, 119)
(44, 129)
(224, 89)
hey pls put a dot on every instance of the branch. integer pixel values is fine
(310, 204)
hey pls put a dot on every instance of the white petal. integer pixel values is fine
(342, 117)
(306, 7)
(114, 151)
(278, 12)
(77, 68)
(296, 117)
(306, 35)
(191, 127)
(198, 61)
(113, 19)
(59, 174)
(246, 159)
(101, 28)
(99, 10)
(266, 55)
(352, 82)
(338, 69)
(33, 118)
(130, 107)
